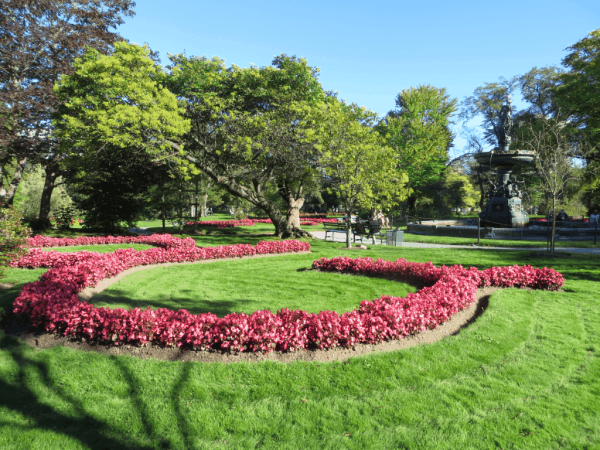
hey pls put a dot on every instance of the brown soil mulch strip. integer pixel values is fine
(15, 326)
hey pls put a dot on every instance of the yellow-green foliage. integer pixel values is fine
(361, 166)
(419, 132)
(108, 94)
(460, 193)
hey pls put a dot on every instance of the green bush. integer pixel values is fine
(64, 217)
(30, 194)
(13, 236)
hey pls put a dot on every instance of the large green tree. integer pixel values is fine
(485, 104)
(111, 186)
(579, 93)
(360, 166)
(117, 100)
(247, 129)
(538, 89)
(419, 130)
(252, 129)
(39, 40)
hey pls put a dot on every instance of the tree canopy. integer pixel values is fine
(578, 94)
(117, 99)
(252, 128)
(361, 168)
(39, 40)
(419, 131)
(486, 103)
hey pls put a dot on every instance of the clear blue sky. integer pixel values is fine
(369, 52)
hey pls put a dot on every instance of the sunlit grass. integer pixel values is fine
(249, 285)
(525, 375)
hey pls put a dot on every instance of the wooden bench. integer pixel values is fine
(339, 227)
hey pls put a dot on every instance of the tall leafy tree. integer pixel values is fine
(111, 187)
(486, 104)
(458, 191)
(538, 88)
(247, 129)
(117, 100)
(116, 120)
(360, 166)
(39, 39)
(578, 93)
(419, 130)
(253, 128)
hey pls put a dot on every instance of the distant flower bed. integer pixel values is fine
(223, 223)
(159, 240)
(52, 302)
(250, 222)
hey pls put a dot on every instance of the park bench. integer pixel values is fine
(374, 231)
(340, 227)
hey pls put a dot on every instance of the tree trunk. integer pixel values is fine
(203, 198)
(163, 211)
(7, 194)
(293, 212)
(553, 225)
(348, 227)
(282, 230)
(293, 219)
(295, 201)
(52, 173)
(411, 202)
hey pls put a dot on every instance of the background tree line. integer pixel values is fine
(111, 130)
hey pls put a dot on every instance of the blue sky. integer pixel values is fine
(370, 52)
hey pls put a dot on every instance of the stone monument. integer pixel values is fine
(503, 207)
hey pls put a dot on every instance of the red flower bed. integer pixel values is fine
(159, 240)
(224, 223)
(251, 222)
(52, 302)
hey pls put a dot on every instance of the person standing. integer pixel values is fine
(594, 217)
(562, 216)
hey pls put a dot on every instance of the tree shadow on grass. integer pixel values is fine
(20, 397)
(219, 307)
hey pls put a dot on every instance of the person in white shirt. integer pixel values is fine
(595, 217)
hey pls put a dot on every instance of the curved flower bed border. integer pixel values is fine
(52, 303)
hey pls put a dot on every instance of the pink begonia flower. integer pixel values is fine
(52, 302)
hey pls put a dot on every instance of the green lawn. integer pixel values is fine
(525, 375)
(223, 287)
